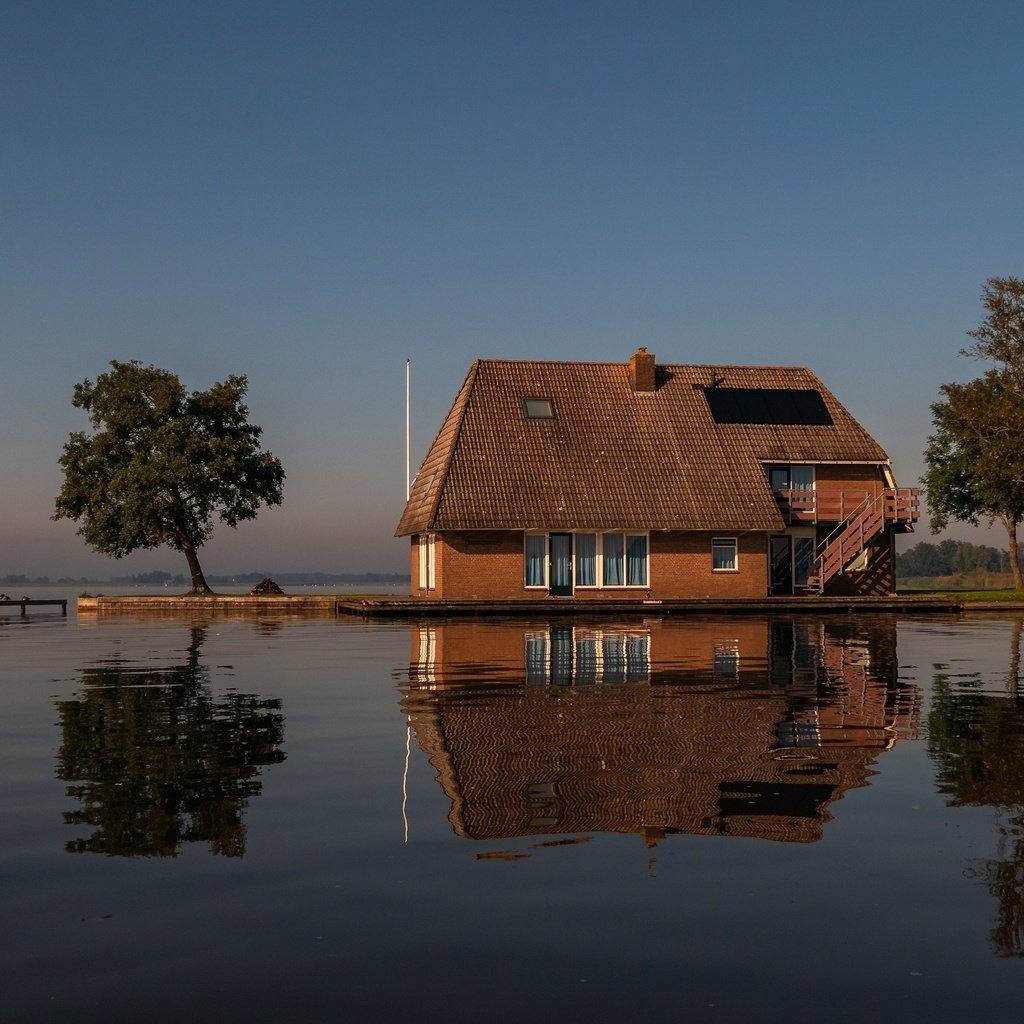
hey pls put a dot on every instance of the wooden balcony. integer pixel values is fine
(901, 505)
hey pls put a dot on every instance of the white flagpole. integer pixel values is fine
(408, 480)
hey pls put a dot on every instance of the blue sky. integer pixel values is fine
(311, 193)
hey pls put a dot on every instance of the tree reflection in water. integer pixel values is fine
(159, 761)
(977, 741)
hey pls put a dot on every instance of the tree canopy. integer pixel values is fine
(975, 458)
(1000, 336)
(162, 463)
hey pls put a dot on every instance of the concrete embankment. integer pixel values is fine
(214, 604)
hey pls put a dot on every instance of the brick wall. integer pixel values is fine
(488, 565)
(681, 566)
(482, 564)
(854, 478)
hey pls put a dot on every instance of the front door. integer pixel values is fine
(561, 564)
(781, 548)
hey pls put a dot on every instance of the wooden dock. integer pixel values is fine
(24, 603)
(411, 607)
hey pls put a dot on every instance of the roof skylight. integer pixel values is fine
(538, 409)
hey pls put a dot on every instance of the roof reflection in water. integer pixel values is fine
(720, 726)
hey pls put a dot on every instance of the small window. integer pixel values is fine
(538, 409)
(723, 554)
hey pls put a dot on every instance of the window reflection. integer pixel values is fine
(572, 656)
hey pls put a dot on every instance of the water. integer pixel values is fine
(690, 819)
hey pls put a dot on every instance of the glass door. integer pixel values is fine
(561, 564)
(781, 551)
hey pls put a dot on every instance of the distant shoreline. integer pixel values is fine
(293, 579)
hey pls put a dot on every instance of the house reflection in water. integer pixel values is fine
(721, 726)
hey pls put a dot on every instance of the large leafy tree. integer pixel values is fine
(162, 463)
(975, 457)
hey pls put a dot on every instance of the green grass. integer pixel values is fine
(961, 590)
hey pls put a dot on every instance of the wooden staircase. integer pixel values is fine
(852, 536)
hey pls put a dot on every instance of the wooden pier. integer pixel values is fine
(411, 607)
(33, 602)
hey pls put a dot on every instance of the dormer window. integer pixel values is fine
(538, 409)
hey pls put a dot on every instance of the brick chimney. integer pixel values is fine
(641, 371)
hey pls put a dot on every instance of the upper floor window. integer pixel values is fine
(538, 409)
(791, 478)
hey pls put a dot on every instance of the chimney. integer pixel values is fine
(641, 371)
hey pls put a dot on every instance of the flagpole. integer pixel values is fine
(408, 482)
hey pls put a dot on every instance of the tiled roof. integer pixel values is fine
(614, 458)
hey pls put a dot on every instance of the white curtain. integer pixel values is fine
(636, 561)
(536, 556)
(612, 545)
(586, 560)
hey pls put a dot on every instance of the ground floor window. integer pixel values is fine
(536, 559)
(723, 554)
(607, 559)
(427, 545)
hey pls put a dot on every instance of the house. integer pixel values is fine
(651, 482)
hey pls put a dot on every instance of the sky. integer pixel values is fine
(311, 193)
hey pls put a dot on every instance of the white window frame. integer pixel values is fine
(789, 467)
(547, 559)
(598, 583)
(722, 542)
(625, 535)
(427, 551)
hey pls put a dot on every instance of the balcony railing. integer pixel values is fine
(901, 505)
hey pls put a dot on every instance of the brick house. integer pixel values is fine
(654, 482)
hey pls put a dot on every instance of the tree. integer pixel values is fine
(975, 457)
(1000, 336)
(162, 462)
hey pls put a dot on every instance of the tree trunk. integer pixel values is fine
(1011, 531)
(199, 584)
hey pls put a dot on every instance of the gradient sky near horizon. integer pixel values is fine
(311, 193)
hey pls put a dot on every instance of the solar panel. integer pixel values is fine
(780, 406)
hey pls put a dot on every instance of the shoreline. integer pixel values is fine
(387, 606)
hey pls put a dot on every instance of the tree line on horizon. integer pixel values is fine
(953, 558)
(158, 578)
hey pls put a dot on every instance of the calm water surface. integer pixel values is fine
(302, 819)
